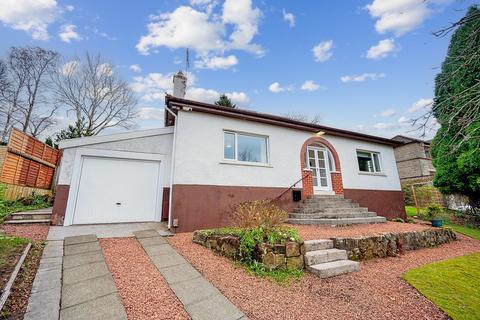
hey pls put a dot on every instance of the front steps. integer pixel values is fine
(332, 210)
(325, 261)
(30, 217)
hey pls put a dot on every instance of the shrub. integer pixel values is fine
(398, 220)
(258, 214)
(433, 211)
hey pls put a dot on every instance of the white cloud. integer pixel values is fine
(69, 7)
(32, 16)
(135, 68)
(323, 51)
(69, 67)
(400, 16)
(68, 33)
(215, 63)
(289, 18)
(204, 31)
(422, 103)
(310, 85)
(362, 77)
(381, 49)
(276, 88)
(210, 96)
(150, 113)
(404, 120)
(382, 125)
(387, 113)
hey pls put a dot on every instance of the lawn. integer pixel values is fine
(8, 207)
(453, 285)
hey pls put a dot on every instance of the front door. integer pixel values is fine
(317, 162)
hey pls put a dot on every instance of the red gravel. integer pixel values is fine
(376, 292)
(36, 232)
(144, 292)
(309, 232)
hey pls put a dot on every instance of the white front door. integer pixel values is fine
(113, 190)
(317, 162)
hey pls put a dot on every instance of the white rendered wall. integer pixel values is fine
(159, 144)
(199, 156)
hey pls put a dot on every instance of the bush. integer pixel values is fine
(258, 214)
(433, 211)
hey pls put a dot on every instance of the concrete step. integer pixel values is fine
(327, 201)
(336, 222)
(329, 205)
(323, 256)
(314, 245)
(29, 221)
(39, 215)
(334, 268)
(327, 196)
(328, 215)
(330, 210)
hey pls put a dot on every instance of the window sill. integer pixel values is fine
(248, 164)
(379, 174)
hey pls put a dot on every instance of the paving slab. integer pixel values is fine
(146, 234)
(81, 259)
(82, 248)
(43, 305)
(159, 250)
(51, 251)
(80, 239)
(152, 241)
(216, 307)
(167, 260)
(108, 307)
(178, 273)
(85, 272)
(87, 290)
(194, 290)
(47, 280)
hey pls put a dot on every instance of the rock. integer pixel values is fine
(292, 249)
(295, 263)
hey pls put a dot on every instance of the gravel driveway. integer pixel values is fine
(376, 292)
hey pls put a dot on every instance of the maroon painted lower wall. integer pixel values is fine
(386, 203)
(201, 206)
(60, 204)
(165, 203)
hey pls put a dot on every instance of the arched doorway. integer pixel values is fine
(320, 166)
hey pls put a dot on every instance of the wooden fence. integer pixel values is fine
(28, 162)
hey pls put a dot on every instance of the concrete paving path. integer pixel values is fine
(105, 230)
(201, 299)
(88, 289)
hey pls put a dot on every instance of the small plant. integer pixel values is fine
(433, 211)
(259, 213)
(398, 220)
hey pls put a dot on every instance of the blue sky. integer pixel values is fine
(361, 65)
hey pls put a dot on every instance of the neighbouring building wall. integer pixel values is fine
(158, 144)
(413, 161)
(206, 186)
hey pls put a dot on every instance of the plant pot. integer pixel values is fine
(437, 222)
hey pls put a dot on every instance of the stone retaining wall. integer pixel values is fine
(288, 255)
(391, 244)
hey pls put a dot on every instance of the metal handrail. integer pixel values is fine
(301, 179)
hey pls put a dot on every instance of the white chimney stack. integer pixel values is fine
(179, 85)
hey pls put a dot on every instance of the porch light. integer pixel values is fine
(319, 133)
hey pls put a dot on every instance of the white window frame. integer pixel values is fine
(235, 160)
(380, 172)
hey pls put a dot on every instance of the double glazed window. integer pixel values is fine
(369, 161)
(245, 147)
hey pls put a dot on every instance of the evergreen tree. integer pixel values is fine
(78, 130)
(224, 101)
(456, 146)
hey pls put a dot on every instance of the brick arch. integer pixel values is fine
(336, 176)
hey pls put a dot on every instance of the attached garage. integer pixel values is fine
(115, 179)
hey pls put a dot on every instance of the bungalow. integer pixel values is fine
(207, 158)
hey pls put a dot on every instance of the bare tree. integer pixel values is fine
(304, 117)
(92, 89)
(30, 71)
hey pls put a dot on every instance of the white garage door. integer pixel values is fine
(117, 190)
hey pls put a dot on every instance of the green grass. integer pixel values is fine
(453, 285)
(468, 231)
(8, 207)
(412, 211)
(280, 276)
(7, 246)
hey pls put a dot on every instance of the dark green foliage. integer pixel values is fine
(78, 130)
(225, 101)
(456, 146)
(49, 141)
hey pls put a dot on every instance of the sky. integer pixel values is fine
(365, 66)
